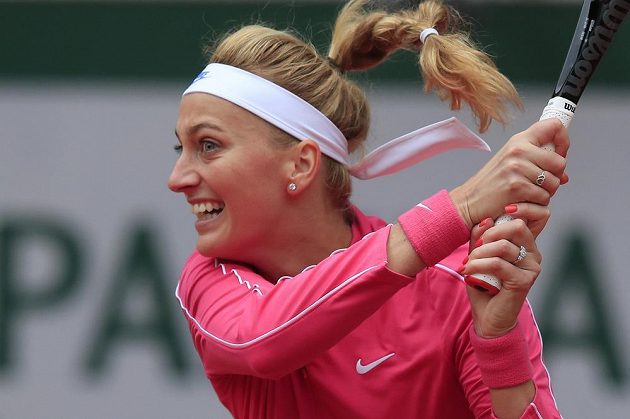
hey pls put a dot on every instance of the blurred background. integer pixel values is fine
(92, 242)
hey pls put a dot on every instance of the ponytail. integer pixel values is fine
(450, 63)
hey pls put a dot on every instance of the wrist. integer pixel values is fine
(503, 361)
(460, 201)
(434, 228)
(492, 332)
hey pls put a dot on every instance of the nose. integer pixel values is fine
(183, 176)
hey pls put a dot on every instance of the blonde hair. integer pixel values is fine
(450, 65)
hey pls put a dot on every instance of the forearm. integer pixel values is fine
(511, 402)
(401, 257)
(510, 379)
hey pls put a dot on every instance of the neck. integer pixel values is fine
(304, 241)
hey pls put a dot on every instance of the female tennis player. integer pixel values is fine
(300, 305)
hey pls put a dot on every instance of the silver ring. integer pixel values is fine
(522, 253)
(541, 178)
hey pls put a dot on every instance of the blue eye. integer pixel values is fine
(209, 146)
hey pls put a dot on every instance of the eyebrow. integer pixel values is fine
(200, 126)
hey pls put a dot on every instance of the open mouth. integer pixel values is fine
(207, 210)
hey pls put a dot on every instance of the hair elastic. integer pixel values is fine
(334, 65)
(295, 116)
(427, 33)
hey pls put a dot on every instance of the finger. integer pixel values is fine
(528, 144)
(528, 211)
(550, 131)
(535, 216)
(546, 180)
(519, 275)
(514, 278)
(548, 161)
(515, 232)
(511, 252)
(478, 230)
(521, 182)
(525, 171)
(503, 248)
(475, 237)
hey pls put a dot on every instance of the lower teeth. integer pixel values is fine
(210, 215)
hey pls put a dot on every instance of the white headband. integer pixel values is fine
(300, 119)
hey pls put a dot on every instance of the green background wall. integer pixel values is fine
(163, 40)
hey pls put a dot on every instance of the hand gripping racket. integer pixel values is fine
(596, 27)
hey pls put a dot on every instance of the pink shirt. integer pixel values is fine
(347, 338)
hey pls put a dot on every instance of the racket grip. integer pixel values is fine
(485, 282)
(561, 108)
(557, 107)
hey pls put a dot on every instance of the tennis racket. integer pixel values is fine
(598, 22)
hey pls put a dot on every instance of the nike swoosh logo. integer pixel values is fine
(421, 205)
(364, 369)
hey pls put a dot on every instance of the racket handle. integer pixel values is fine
(561, 108)
(557, 107)
(485, 282)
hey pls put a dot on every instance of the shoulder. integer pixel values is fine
(197, 260)
(210, 273)
(196, 267)
(363, 224)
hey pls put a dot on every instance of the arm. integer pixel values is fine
(242, 324)
(507, 178)
(539, 400)
(505, 340)
(238, 330)
(277, 329)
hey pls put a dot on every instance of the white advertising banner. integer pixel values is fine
(92, 242)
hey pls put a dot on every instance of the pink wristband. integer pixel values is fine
(434, 228)
(503, 361)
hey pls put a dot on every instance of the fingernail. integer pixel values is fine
(484, 222)
(511, 209)
(479, 242)
(465, 261)
(461, 269)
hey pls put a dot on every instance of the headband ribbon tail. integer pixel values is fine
(416, 146)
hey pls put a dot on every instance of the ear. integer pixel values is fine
(306, 160)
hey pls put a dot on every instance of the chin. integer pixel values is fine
(207, 248)
(212, 249)
(205, 252)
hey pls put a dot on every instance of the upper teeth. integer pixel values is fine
(207, 206)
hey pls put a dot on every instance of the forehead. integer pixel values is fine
(201, 109)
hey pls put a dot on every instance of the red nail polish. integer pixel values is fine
(484, 222)
(461, 269)
(479, 242)
(465, 261)
(511, 209)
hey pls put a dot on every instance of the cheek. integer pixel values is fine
(257, 180)
(264, 168)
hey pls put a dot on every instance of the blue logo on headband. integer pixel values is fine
(201, 75)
